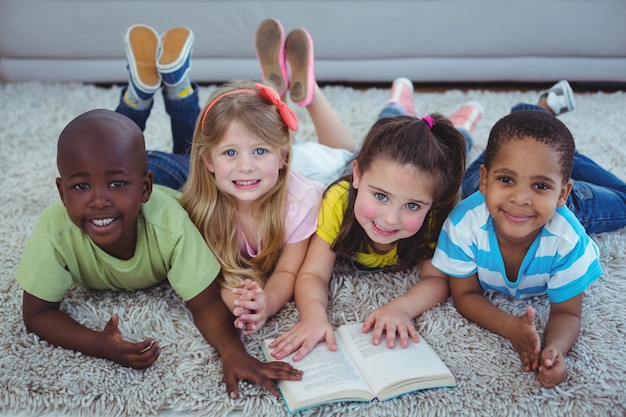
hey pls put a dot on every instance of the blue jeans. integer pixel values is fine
(170, 169)
(598, 198)
(394, 109)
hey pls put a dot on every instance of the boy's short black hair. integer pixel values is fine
(538, 125)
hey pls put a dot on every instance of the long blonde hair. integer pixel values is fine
(213, 211)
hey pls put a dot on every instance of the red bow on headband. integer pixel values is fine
(286, 113)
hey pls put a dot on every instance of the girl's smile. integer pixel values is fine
(383, 231)
(244, 166)
(392, 201)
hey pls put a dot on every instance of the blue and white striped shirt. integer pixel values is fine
(562, 261)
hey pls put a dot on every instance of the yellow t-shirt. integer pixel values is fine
(332, 211)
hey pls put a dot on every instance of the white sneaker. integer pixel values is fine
(560, 97)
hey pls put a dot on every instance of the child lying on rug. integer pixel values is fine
(516, 235)
(111, 230)
(387, 215)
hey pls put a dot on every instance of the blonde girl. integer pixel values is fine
(386, 214)
(254, 212)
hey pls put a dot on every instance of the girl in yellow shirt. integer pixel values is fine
(386, 214)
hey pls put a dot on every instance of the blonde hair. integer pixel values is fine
(213, 211)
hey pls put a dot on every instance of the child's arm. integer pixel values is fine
(254, 307)
(213, 319)
(560, 335)
(311, 294)
(48, 322)
(397, 316)
(521, 331)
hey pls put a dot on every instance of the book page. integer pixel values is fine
(328, 376)
(391, 372)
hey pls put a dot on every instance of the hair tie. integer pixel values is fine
(286, 113)
(428, 119)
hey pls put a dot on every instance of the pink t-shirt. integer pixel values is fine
(304, 197)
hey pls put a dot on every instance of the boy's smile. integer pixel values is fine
(102, 184)
(523, 189)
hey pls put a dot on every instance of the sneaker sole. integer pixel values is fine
(299, 54)
(142, 44)
(269, 45)
(175, 46)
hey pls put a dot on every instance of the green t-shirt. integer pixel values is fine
(332, 212)
(169, 246)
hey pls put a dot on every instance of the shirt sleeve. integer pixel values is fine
(194, 267)
(301, 208)
(454, 254)
(42, 271)
(332, 212)
(576, 262)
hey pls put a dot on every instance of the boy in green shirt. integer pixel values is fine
(112, 230)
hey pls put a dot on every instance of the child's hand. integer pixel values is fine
(302, 338)
(390, 319)
(237, 365)
(525, 339)
(553, 368)
(250, 307)
(139, 355)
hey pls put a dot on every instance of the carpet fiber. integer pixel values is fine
(37, 378)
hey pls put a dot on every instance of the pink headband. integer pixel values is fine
(288, 115)
(429, 120)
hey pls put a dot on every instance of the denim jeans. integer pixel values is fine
(183, 115)
(170, 169)
(598, 198)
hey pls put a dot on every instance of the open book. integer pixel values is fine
(361, 371)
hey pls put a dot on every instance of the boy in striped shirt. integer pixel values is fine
(517, 236)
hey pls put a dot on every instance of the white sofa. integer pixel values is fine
(355, 41)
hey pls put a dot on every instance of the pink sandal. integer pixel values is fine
(269, 44)
(299, 53)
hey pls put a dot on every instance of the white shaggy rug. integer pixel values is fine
(37, 378)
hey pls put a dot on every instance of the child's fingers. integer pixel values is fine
(248, 305)
(112, 324)
(413, 334)
(530, 315)
(391, 334)
(548, 357)
(368, 323)
(249, 284)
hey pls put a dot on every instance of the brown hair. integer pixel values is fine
(438, 151)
